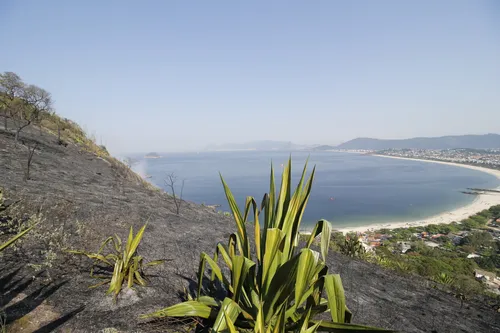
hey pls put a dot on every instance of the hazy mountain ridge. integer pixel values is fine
(257, 145)
(444, 142)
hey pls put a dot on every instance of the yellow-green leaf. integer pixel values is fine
(185, 309)
(228, 312)
(336, 297)
(240, 223)
(14, 239)
(308, 261)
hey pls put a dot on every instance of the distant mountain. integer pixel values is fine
(444, 142)
(256, 145)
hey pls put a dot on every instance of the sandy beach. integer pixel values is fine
(483, 201)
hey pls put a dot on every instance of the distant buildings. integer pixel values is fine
(482, 157)
(490, 279)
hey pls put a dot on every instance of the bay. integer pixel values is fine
(349, 189)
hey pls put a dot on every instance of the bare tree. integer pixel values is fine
(11, 91)
(128, 162)
(36, 101)
(31, 152)
(61, 126)
(170, 182)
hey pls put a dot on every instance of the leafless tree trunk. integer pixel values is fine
(170, 182)
(128, 162)
(31, 152)
(19, 129)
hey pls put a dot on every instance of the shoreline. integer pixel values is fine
(481, 202)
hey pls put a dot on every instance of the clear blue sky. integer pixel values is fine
(178, 75)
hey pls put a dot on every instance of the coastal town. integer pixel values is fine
(489, 158)
(474, 239)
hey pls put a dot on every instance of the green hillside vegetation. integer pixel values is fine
(447, 264)
(25, 105)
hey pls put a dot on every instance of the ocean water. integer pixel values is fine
(348, 190)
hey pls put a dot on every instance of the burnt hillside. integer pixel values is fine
(79, 198)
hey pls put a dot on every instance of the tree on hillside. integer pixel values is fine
(61, 126)
(170, 182)
(36, 101)
(11, 91)
(24, 104)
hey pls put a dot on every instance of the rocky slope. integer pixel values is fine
(80, 199)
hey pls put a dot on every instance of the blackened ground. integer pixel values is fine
(81, 199)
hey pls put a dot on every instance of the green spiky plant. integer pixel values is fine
(12, 240)
(352, 247)
(126, 263)
(274, 286)
(444, 278)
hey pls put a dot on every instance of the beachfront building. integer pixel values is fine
(431, 244)
(483, 275)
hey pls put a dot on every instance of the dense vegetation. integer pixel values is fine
(448, 263)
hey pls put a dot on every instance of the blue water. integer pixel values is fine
(366, 189)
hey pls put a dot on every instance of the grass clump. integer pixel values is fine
(273, 286)
(127, 264)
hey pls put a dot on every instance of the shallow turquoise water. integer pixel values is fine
(365, 189)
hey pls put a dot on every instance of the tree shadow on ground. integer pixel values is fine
(52, 326)
(31, 302)
(12, 286)
(15, 297)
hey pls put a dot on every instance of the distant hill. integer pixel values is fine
(152, 155)
(444, 142)
(256, 145)
(324, 147)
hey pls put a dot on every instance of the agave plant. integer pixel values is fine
(126, 263)
(274, 285)
(352, 247)
(444, 278)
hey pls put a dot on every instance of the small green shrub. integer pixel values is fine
(352, 247)
(445, 279)
(127, 264)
